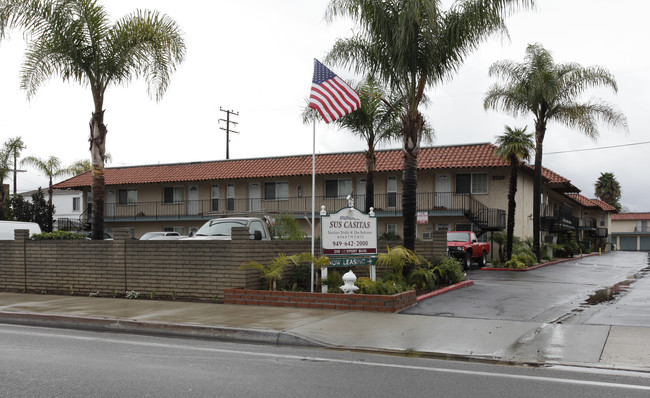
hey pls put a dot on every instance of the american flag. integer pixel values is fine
(330, 95)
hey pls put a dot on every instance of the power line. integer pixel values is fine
(594, 149)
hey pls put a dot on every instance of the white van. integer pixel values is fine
(7, 228)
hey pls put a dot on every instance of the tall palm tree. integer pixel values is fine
(51, 168)
(75, 40)
(551, 92)
(375, 122)
(608, 190)
(410, 45)
(513, 146)
(15, 145)
(5, 168)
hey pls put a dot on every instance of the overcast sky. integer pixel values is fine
(256, 57)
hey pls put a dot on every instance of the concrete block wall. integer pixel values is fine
(190, 270)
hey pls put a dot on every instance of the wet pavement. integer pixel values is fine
(512, 317)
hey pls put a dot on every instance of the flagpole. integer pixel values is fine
(313, 199)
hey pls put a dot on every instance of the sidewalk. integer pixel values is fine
(615, 347)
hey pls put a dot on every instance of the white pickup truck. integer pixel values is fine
(221, 229)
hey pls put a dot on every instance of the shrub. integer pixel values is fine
(514, 262)
(285, 227)
(449, 271)
(389, 236)
(334, 281)
(384, 287)
(423, 278)
(58, 235)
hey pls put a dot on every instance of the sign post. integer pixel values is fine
(349, 238)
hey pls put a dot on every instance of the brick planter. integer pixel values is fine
(322, 301)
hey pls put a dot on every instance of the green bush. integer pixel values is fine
(384, 287)
(334, 281)
(449, 271)
(58, 235)
(515, 263)
(286, 227)
(423, 278)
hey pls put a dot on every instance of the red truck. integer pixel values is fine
(465, 246)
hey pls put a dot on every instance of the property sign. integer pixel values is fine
(351, 261)
(423, 217)
(349, 232)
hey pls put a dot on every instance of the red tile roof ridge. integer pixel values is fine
(434, 157)
(631, 216)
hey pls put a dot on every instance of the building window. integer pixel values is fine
(214, 198)
(180, 230)
(300, 191)
(474, 183)
(173, 195)
(338, 188)
(76, 204)
(602, 219)
(127, 197)
(230, 197)
(276, 190)
(442, 227)
(391, 192)
(391, 229)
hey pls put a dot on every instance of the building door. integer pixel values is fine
(254, 196)
(110, 203)
(193, 201)
(644, 242)
(628, 243)
(443, 191)
(360, 195)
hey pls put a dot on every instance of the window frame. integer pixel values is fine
(131, 200)
(276, 187)
(338, 194)
(175, 190)
(214, 200)
(472, 184)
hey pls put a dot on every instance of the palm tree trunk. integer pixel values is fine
(50, 207)
(537, 195)
(512, 190)
(412, 131)
(371, 161)
(97, 151)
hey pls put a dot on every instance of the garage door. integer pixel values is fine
(628, 243)
(645, 243)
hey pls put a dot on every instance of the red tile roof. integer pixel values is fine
(630, 216)
(586, 202)
(443, 157)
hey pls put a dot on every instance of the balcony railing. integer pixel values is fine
(558, 218)
(440, 203)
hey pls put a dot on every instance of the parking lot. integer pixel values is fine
(612, 289)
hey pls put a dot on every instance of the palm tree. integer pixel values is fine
(15, 145)
(52, 169)
(550, 92)
(410, 45)
(5, 168)
(83, 165)
(609, 190)
(513, 146)
(75, 41)
(375, 122)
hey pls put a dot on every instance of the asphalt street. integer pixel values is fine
(64, 363)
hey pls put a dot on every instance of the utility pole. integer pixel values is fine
(227, 129)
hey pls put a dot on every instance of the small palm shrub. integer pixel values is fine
(272, 272)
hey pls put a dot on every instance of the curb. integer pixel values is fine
(534, 267)
(157, 328)
(445, 290)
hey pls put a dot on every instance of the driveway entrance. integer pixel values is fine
(577, 291)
